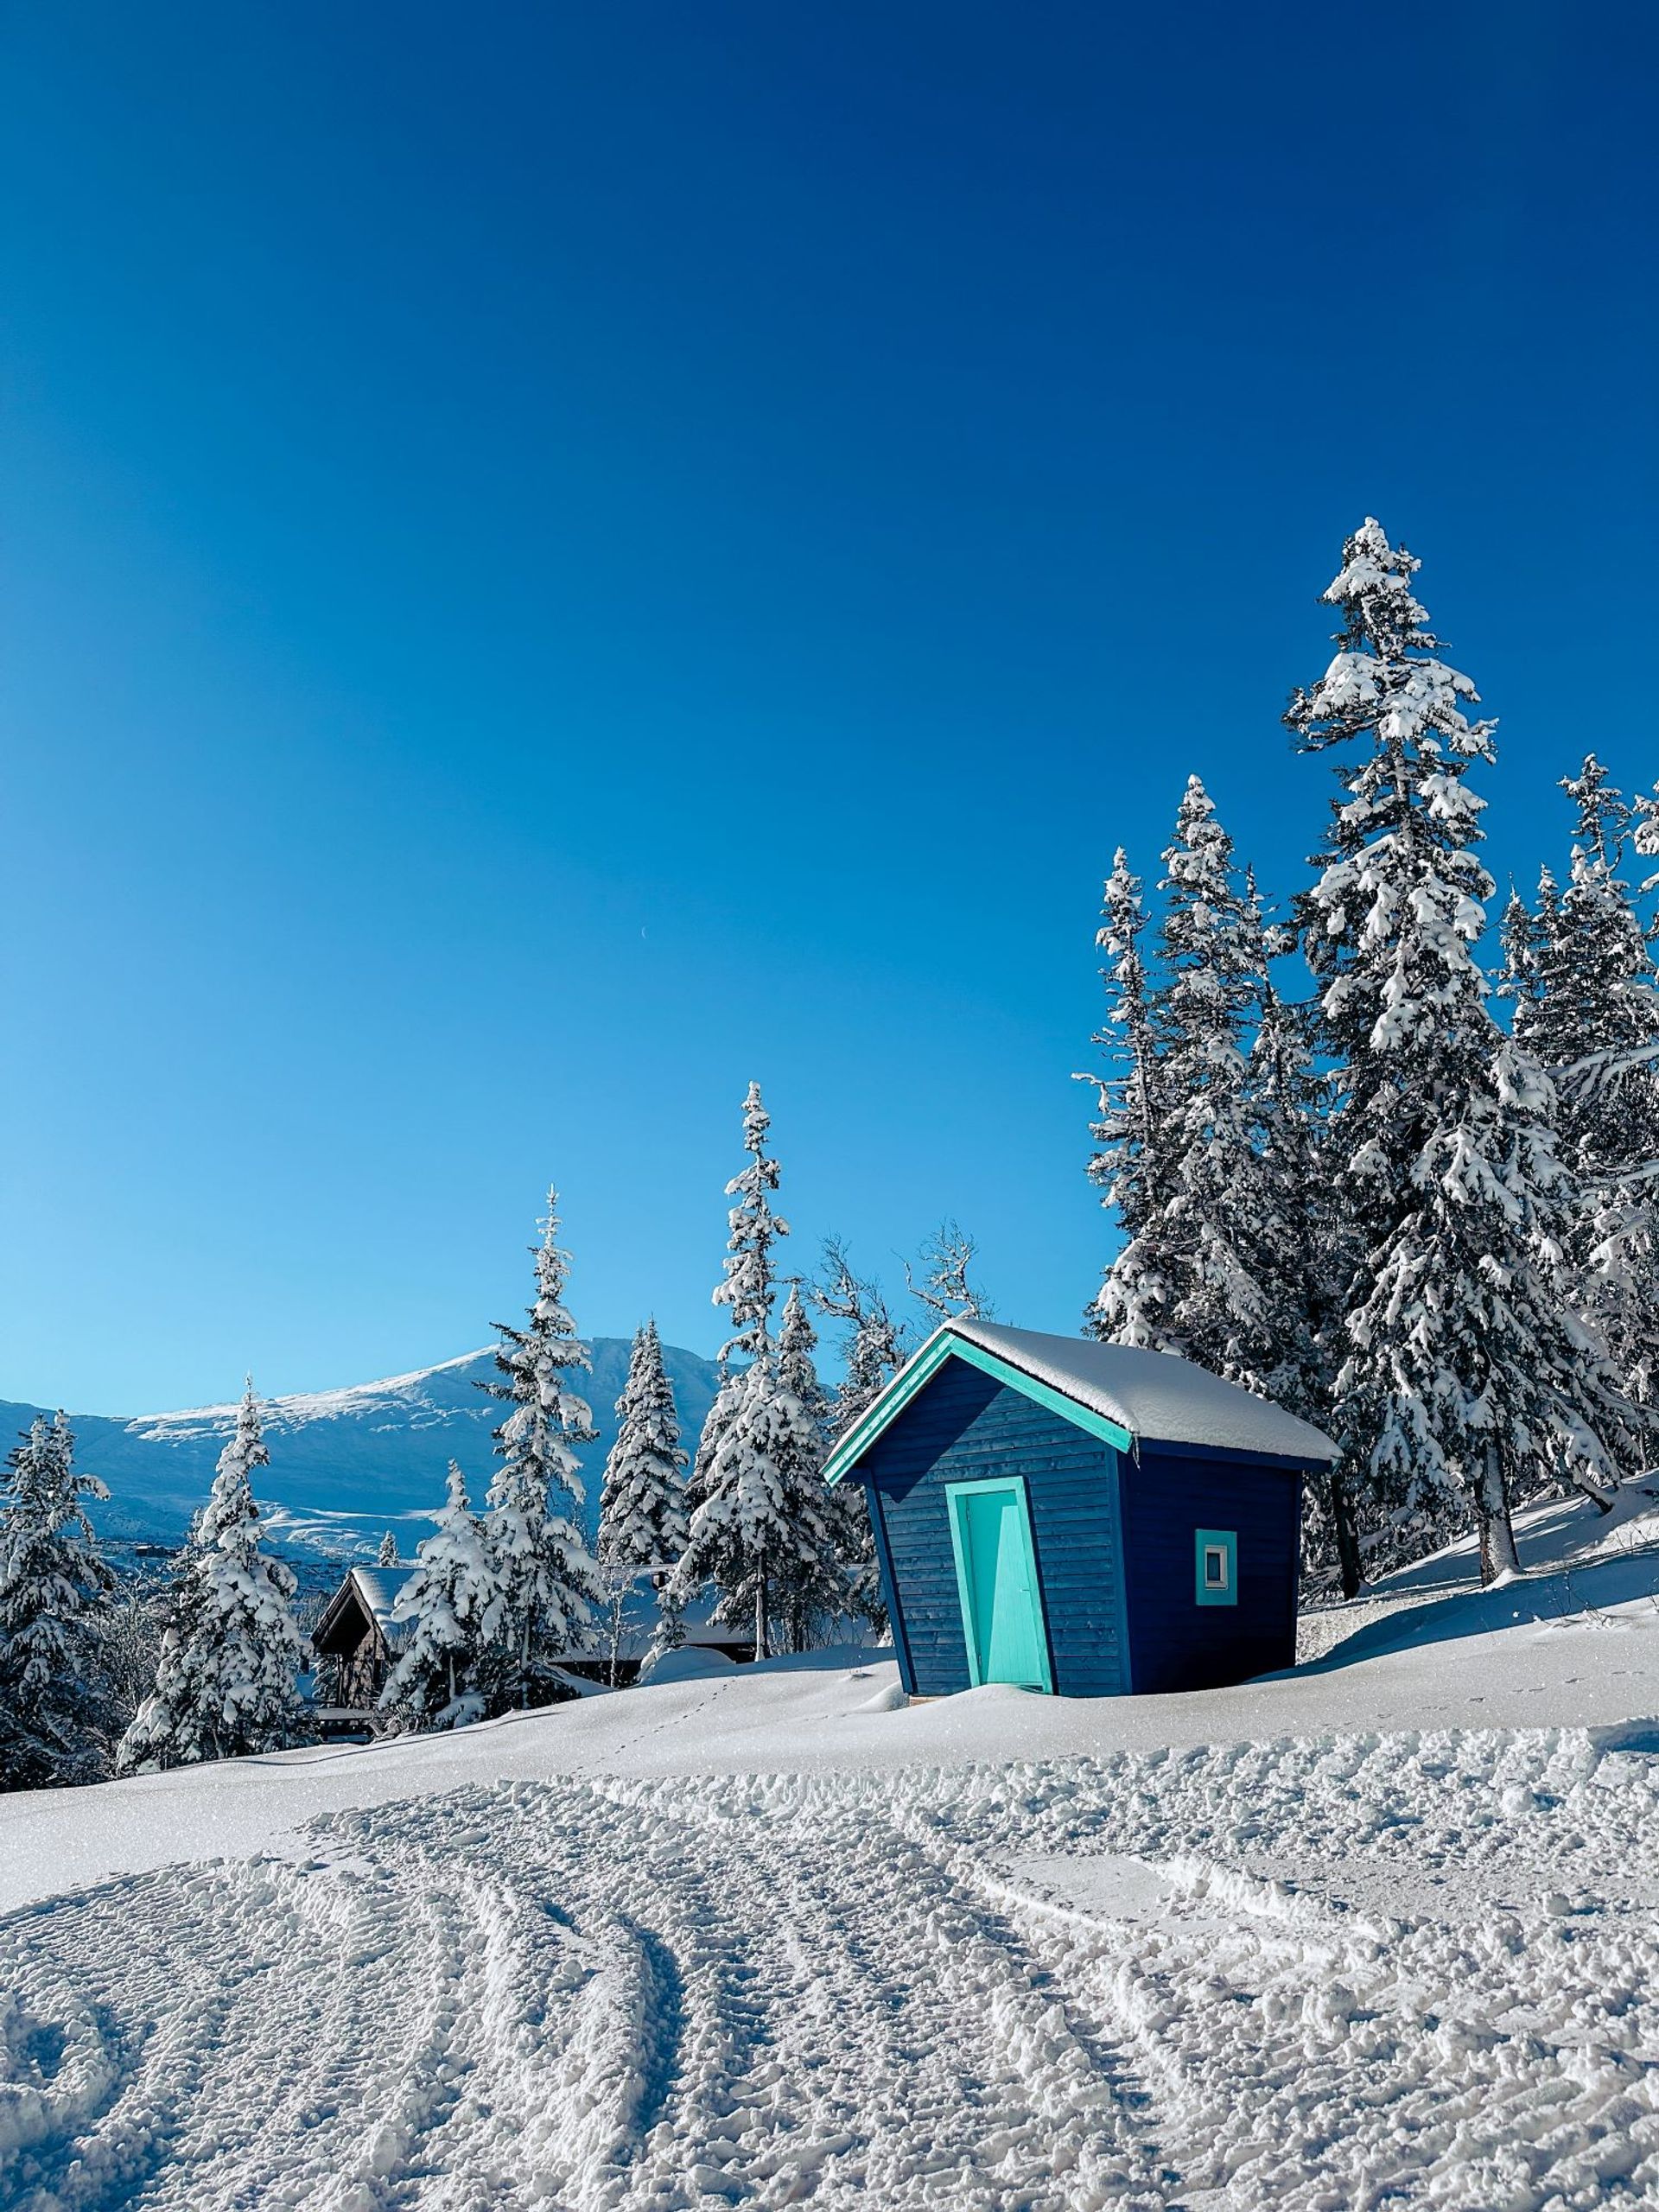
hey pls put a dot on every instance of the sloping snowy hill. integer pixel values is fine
(344, 1463)
(1385, 1930)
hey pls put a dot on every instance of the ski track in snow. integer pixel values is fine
(1077, 1984)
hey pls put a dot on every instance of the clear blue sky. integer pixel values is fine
(559, 558)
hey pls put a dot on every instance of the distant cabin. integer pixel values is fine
(356, 1640)
(1088, 1519)
(359, 1637)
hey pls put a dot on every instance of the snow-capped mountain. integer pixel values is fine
(345, 1465)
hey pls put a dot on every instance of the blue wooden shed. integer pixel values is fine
(1084, 1518)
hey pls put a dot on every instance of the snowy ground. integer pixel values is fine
(1383, 1930)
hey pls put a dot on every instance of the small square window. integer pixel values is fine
(1216, 1566)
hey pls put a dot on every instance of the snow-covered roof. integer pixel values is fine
(380, 1587)
(1154, 1396)
(377, 1590)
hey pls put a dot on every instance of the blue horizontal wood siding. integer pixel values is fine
(963, 1426)
(1177, 1643)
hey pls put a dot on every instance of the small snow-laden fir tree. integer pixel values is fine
(815, 1583)
(1467, 1379)
(227, 1683)
(943, 1287)
(747, 1286)
(387, 1555)
(1581, 970)
(548, 1582)
(1522, 935)
(746, 1535)
(642, 1516)
(1129, 1164)
(453, 1602)
(54, 1596)
(668, 1633)
(873, 1349)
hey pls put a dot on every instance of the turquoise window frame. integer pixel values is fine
(983, 1487)
(1204, 1540)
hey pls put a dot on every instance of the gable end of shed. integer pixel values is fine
(916, 1375)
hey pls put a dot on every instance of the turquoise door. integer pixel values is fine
(996, 1581)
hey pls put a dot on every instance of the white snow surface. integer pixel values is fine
(402, 1397)
(1156, 1396)
(1382, 1930)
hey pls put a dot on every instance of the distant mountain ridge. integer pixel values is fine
(346, 1465)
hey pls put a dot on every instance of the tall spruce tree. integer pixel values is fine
(746, 1534)
(1129, 1165)
(1581, 970)
(548, 1582)
(642, 1516)
(1206, 1271)
(227, 1681)
(1211, 1227)
(1467, 1377)
(1301, 1262)
(746, 1287)
(453, 1605)
(54, 1596)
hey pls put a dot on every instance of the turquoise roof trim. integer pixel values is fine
(945, 1345)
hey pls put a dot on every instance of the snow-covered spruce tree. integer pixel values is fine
(818, 1574)
(747, 1536)
(1205, 1235)
(452, 1601)
(387, 1555)
(1301, 1263)
(873, 1349)
(1128, 1165)
(1468, 1380)
(746, 1287)
(227, 1683)
(1522, 936)
(943, 1287)
(54, 1594)
(668, 1634)
(1581, 970)
(548, 1582)
(746, 1485)
(1233, 1127)
(642, 1516)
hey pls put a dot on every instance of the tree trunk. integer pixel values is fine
(760, 1613)
(1342, 1516)
(1497, 1552)
(1601, 1499)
